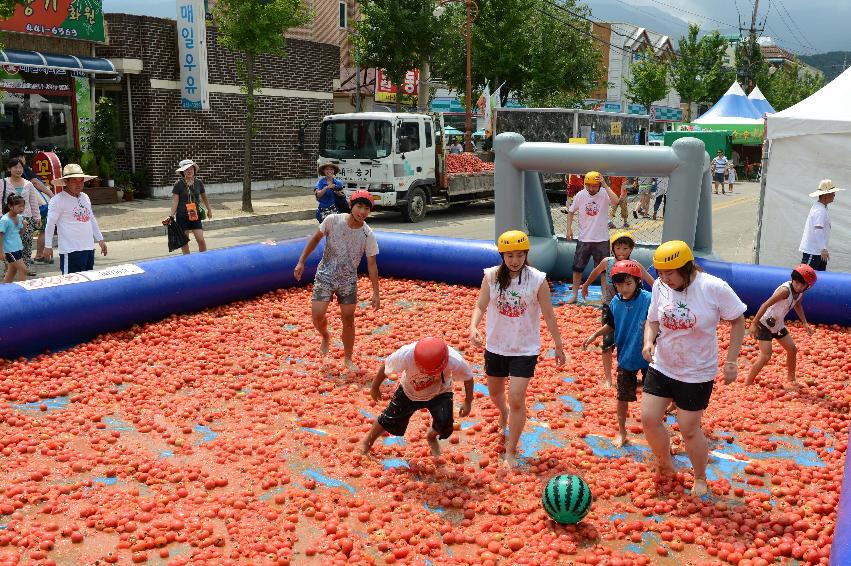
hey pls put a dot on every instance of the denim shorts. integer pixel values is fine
(347, 293)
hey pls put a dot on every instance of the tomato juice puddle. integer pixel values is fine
(224, 436)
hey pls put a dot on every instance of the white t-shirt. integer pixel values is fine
(513, 322)
(778, 311)
(344, 248)
(687, 346)
(74, 219)
(419, 386)
(593, 215)
(816, 230)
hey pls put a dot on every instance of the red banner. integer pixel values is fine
(385, 91)
(47, 166)
(70, 19)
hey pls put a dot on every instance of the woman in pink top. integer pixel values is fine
(32, 217)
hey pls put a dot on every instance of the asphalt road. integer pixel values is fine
(734, 221)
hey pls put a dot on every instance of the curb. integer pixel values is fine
(215, 224)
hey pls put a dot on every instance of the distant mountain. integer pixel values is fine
(831, 63)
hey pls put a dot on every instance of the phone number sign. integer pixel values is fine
(71, 19)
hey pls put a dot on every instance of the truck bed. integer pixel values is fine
(469, 183)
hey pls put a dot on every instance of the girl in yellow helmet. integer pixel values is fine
(681, 344)
(515, 295)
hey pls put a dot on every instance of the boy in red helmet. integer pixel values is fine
(427, 368)
(625, 317)
(768, 322)
(347, 240)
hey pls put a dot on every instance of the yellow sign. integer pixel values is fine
(616, 128)
(577, 140)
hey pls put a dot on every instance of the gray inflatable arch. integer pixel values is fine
(521, 202)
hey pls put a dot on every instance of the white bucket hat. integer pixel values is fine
(186, 164)
(825, 187)
(72, 171)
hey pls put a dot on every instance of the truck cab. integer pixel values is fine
(394, 156)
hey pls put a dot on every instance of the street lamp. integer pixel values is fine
(471, 7)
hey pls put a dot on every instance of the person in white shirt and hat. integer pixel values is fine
(70, 212)
(817, 228)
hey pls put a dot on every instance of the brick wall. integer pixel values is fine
(165, 133)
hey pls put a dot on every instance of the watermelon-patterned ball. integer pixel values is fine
(567, 499)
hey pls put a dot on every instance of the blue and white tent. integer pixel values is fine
(760, 103)
(733, 108)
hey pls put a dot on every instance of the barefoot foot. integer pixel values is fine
(363, 447)
(351, 366)
(433, 445)
(323, 347)
(510, 460)
(699, 488)
(503, 419)
(606, 383)
(572, 298)
(620, 439)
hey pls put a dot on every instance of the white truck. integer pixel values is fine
(400, 159)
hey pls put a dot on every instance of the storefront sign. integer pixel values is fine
(35, 80)
(616, 128)
(83, 277)
(385, 91)
(612, 107)
(85, 121)
(47, 166)
(70, 19)
(192, 54)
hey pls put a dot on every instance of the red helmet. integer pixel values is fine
(431, 355)
(626, 267)
(364, 195)
(807, 273)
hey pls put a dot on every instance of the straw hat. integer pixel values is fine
(186, 164)
(825, 187)
(72, 171)
(327, 164)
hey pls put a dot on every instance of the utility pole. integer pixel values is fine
(750, 47)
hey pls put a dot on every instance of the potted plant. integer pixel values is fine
(89, 165)
(123, 183)
(106, 172)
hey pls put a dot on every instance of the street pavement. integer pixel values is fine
(734, 222)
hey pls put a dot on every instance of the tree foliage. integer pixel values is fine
(541, 53)
(253, 28)
(717, 75)
(751, 67)
(7, 8)
(395, 35)
(699, 73)
(649, 80)
(790, 85)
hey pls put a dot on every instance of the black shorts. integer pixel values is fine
(718, 177)
(394, 419)
(187, 225)
(765, 335)
(687, 396)
(815, 261)
(608, 339)
(628, 383)
(505, 366)
(588, 250)
(12, 257)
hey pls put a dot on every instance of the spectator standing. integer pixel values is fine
(618, 185)
(29, 174)
(70, 212)
(328, 190)
(661, 196)
(816, 235)
(187, 194)
(17, 184)
(719, 169)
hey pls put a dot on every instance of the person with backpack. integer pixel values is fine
(186, 209)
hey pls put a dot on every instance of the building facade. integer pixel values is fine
(620, 45)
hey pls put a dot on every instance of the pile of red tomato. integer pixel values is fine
(223, 438)
(466, 163)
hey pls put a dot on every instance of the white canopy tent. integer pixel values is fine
(808, 142)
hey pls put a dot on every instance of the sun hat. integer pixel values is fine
(825, 187)
(72, 171)
(186, 164)
(325, 164)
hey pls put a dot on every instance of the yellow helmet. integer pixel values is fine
(621, 234)
(672, 255)
(512, 241)
(593, 178)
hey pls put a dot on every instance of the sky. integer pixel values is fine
(801, 26)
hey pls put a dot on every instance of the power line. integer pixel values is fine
(801, 34)
(555, 4)
(580, 30)
(703, 16)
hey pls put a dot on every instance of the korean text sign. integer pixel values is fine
(385, 91)
(192, 54)
(70, 19)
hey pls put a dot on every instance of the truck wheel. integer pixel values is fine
(416, 207)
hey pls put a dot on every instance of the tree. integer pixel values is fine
(717, 75)
(395, 35)
(790, 85)
(687, 69)
(649, 81)
(542, 53)
(8, 7)
(253, 28)
(751, 68)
